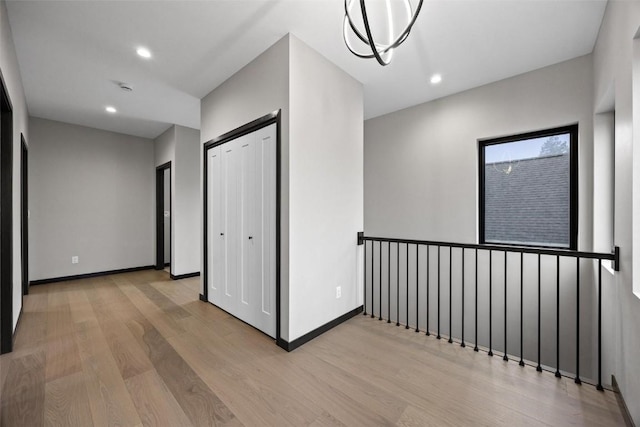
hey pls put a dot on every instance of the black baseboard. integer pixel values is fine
(203, 298)
(290, 346)
(167, 264)
(184, 276)
(89, 275)
(623, 405)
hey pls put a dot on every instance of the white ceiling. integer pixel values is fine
(72, 54)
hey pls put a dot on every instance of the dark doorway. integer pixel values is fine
(24, 214)
(163, 216)
(6, 221)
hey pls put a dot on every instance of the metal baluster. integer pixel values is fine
(539, 367)
(388, 282)
(476, 311)
(438, 336)
(373, 251)
(490, 302)
(407, 305)
(558, 316)
(599, 386)
(490, 249)
(380, 282)
(462, 344)
(505, 358)
(521, 309)
(450, 296)
(417, 285)
(364, 312)
(398, 285)
(428, 250)
(577, 378)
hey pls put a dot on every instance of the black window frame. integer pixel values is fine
(572, 130)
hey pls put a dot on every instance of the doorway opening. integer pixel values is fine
(163, 217)
(6, 221)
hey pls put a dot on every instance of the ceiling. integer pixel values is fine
(72, 54)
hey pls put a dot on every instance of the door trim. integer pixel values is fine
(24, 213)
(6, 221)
(266, 120)
(160, 216)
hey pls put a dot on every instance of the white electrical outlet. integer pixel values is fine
(338, 291)
(74, 259)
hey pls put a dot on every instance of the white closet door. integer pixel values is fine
(265, 212)
(230, 244)
(242, 228)
(216, 262)
(248, 235)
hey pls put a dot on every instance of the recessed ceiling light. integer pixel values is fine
(435, 79)
(111, 110)
(144, 52)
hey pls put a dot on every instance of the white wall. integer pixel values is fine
(617, 66)
(92, 195)
(259, 88)
(186, 199)
(10, 74)
(421, 182)
(603, 182)
(326, 190)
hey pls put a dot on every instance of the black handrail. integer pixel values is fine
(614, 256)
(505, 249)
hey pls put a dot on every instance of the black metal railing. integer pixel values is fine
(379, 254)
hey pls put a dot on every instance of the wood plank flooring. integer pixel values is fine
(139, 349)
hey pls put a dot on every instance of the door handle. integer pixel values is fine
(250, 237)
(222, 234)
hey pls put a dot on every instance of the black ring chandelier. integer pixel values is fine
(381, 51)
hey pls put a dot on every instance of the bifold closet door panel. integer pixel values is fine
(265, 262)
(249, 233)
(231, 225)
(216, 262)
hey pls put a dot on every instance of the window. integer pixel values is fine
(528, 189)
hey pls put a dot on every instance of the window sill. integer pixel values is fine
(607, 264)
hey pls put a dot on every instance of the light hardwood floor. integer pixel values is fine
(139, 349)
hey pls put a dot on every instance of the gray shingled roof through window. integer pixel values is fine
(529, 204)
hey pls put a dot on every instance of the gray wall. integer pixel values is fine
(616, 60)
(91, 195)
(187, 201)
(181, 146)
(259, 88)
(421, 163)
(164, 149)
(322, 187)
(10, 74)
(421, 182)
(326, 190)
